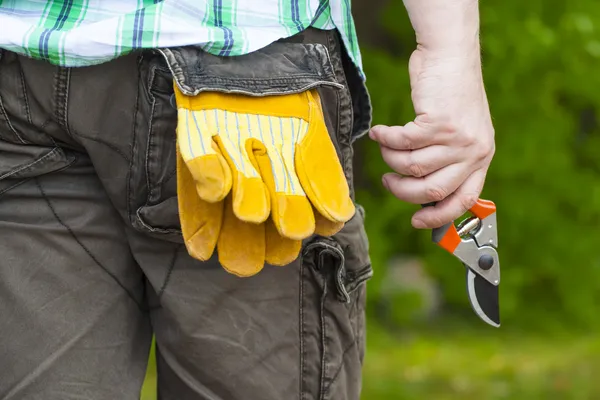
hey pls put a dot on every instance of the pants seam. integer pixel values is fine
(302, 347)
(10, 125)
(42, 158)
(129, 195)
(25, 97)
(84, 247)
(61, 98)
(339, 369)
(22, 181)
(322, 388)
(344, 108)
(101, 141)
(6, 190)
(169, 271)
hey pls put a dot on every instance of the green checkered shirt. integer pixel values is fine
(84, 32)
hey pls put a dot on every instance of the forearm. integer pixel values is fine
(446, 26)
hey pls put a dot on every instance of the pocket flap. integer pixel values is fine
(347, 252)
(27, 161)
(280, 68)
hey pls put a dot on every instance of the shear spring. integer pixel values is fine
(468, 227)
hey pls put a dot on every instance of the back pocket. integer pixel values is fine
(153, 183)
(278, 69)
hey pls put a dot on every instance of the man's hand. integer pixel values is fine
(443, 155)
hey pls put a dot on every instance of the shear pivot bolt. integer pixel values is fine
(486, 262)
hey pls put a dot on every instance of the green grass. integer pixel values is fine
(484, 364)
(149, 389)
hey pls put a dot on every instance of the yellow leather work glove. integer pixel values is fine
(243, 247)
(276, 155)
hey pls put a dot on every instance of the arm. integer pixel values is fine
(443, 154)
(445, 26)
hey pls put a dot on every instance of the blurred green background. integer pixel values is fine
(541, 62)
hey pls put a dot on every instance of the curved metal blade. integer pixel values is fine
(484, 298)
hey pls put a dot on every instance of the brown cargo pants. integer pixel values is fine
(91, 256)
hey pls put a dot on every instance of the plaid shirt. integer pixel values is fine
(87, 32)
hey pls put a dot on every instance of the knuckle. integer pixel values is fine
(382, 139)
(407, 142)
(436, 193)
(441, 122)
(448, 126)
(436, 221)
(470, 138)
(415, 169)
(492, 150)
(485, 149)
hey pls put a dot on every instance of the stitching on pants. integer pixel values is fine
(12, 172)
(148, 150)
(133, 142)
(323, 341)
(20, 182)
(302, 349)
(107, 144)
(10, 126)
(353, 344)
(169, 272)
(337, 373)
(62, 81)
(89, 253)
(66, 105)
(170, 176)
(25, 97)
(6, 190)
(332, 46)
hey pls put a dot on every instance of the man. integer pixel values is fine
(128, 208)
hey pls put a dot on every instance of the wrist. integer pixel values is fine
(445, 26)
(461, 57)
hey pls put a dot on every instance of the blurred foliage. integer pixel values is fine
(458, 363)
(540, 65)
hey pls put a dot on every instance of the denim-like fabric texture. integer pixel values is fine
(92, 262)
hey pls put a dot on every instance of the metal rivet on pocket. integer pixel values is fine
(173, 102)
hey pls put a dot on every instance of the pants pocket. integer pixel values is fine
(153, 183)
(18, 163)
(278, 69)
(335, 273)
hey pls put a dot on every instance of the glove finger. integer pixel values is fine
(250, 195)
(291, 211)
(280, 250)
(319, 170)
(200, 220)
(241, 245)
(325, 227)
(204, 160)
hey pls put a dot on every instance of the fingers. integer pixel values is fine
(421, 162)
(202, 156)
(200, 220)
(412, 136)
(279, 250)
(291, 211)
(433, 188)
(251, 201)
(236, 234)
(453, 206)
(322, 175)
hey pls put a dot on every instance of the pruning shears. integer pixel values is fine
(474, 241)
